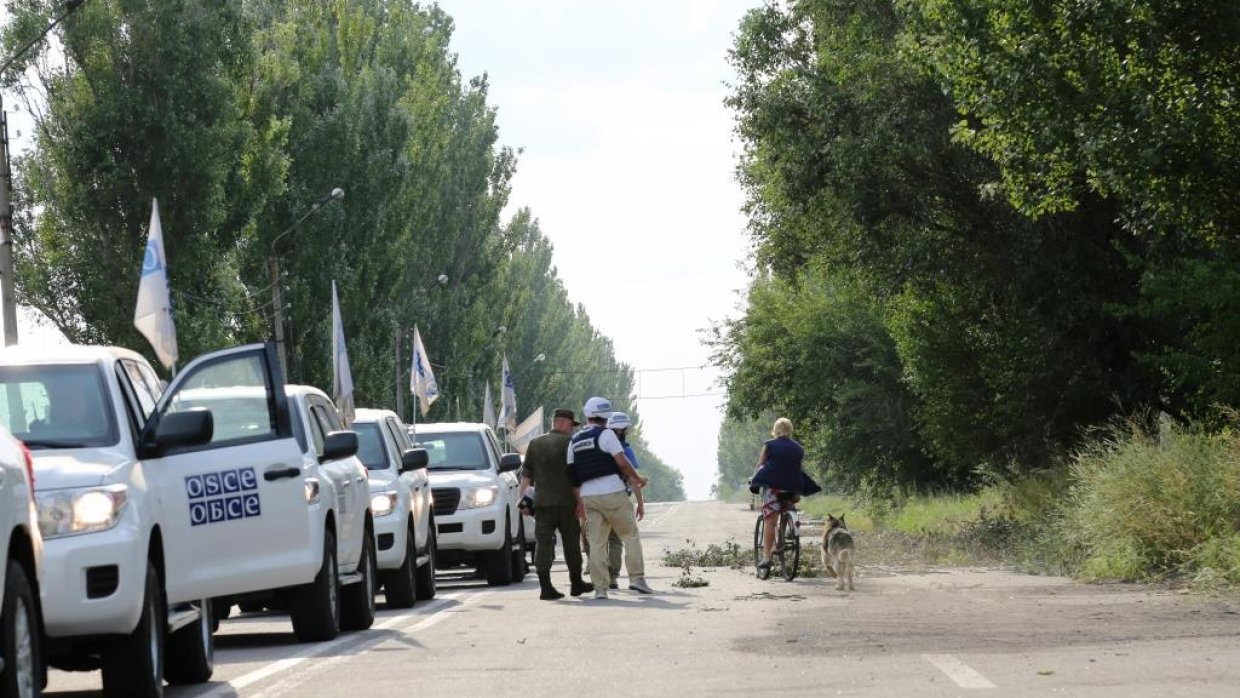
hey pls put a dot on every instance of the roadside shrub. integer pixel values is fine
(726, 554)
(1155, 507)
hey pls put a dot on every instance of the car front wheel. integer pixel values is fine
(398, 584)
(359, 598)
(19, 635)
(191, 650)
(499, 562)
(133, 667)
(316, 606)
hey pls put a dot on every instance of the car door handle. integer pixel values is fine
(278, 473)
(347, 483)
(359, 478)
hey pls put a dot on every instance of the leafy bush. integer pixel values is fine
(726, 554)
(1145, 507)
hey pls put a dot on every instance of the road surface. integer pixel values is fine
(943, 632)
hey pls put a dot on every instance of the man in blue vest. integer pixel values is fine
(598, 470)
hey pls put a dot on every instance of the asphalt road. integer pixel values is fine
(941, 632)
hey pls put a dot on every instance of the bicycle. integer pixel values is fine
(787, 551)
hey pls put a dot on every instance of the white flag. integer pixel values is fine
(153, 314)
(488, 408)
(525, 432)
(342, 378)
(508, 400)
(421, 378)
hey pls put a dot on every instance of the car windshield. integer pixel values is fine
(370, 446)
(453, 451)
(57, 406)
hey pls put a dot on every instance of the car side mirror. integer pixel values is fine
(194, 427)
(509, 462)
(414, 459)
(339, 444)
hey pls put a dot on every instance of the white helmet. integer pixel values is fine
(597, 407)
(619, 420)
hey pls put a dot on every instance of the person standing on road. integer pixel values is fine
(619, 423)
(597, 464)
(555, 504)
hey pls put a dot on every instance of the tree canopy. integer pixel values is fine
(982, 227)
(238, 116)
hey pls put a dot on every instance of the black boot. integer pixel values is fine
(548, 592)
(580, 586)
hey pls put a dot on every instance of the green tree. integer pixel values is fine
(999, 337)
(1126, 99)
(145, 106)
(740, 442)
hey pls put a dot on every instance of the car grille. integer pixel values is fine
(446, 500)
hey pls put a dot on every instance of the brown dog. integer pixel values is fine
(837, 552)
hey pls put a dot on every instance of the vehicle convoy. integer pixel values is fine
(152, 502)
(400, 502)
(21, 667)
(477, 521)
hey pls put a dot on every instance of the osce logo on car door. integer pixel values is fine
(227, 495)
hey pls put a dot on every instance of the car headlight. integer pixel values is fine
(382, 503)
(478, 497)
(84, 510)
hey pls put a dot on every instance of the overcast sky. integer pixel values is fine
(628, 163)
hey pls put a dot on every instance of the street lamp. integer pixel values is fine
(273, 264)
(8, 297)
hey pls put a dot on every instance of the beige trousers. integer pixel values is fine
(606, 513)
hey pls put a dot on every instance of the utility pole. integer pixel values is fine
(277, 310)
(398, 334)
(8, 297)
(273, 265)
(7, 286)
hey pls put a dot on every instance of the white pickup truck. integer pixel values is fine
(400, 501)
(21, 667)
(475, 490)
(150, 505)
(336, 529)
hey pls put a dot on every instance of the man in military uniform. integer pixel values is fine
(545, 475)
(599, 469)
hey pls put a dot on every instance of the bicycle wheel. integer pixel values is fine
(791, 539)
(757, 550)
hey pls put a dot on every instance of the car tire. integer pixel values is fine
(499, 562)
(426, 573)
(133, 667)
(19, 635)
(358, 612)
(191, 650)
(315, 609)
(520, 567)
(399, 586)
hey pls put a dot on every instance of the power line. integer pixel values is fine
(678, 397)
(701, 367)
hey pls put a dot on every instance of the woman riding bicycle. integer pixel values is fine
(782, 481)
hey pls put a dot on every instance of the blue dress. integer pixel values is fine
(783, 468)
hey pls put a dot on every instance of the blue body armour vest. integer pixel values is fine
(589, 461)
